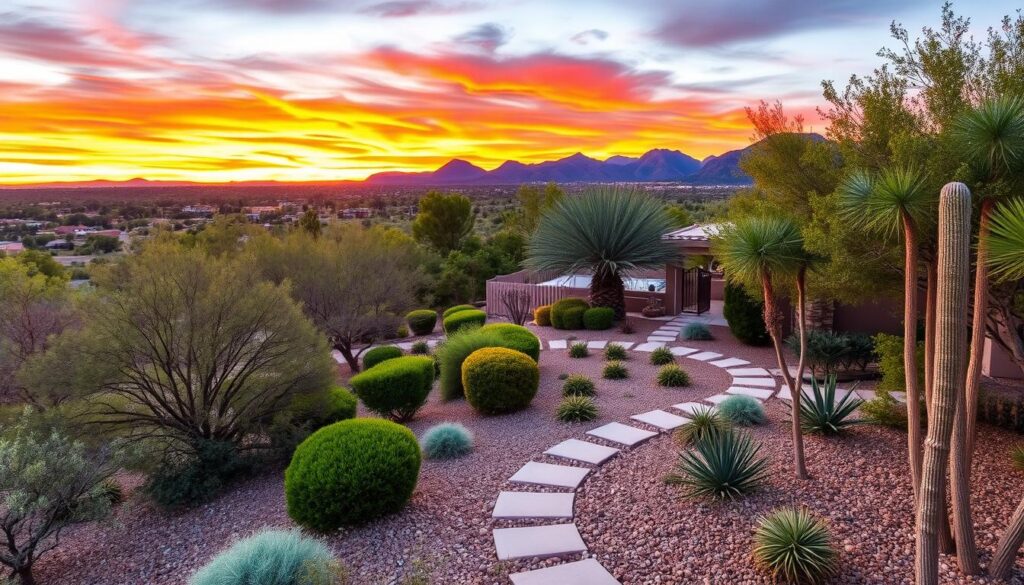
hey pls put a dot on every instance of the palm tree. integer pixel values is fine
(607, 232)
(754, 252)
(897, 203)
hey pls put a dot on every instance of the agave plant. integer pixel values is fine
(794, 546)
(704, 422)
(1017, 456)
(606, 232)
(823, 414)
(726, 465)
(1006, 241)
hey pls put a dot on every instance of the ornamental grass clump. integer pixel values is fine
(574, 409)
(419, 348)
(273, 557)
(741, 410)
(446, 441)
(579, 350)
(615, 371)
(672, 376)
(697, 332)
(578, 385)
(704, 422)
(615, 351)
(795, 547)
(662, 356)
(821, 413)
(1017, 456)
(725, 465)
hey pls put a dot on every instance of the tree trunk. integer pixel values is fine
(346, 352)
(607, 290)
(1006, 551)
(25, 575)
(798, 435)
(973, 382)
(772, 322)
(929, 336)
(950, 341)
(910, 353)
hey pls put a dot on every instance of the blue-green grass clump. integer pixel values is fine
(446, 441)
(272, 557)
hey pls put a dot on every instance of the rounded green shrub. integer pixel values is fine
(516, 337)
(542, 316)
(614, 351)
(559, 309)
(419, 348)
(464, 318)
(396, 388)
(272, 557)
(578, 385)
(459, 345)
(697, 332)
(662, 356)
(599, 318)
(351, 472)
(572, 318)
(381, 353)
(579, 350)
(745, 315)
(672, 376)
(446, 441)
(794, 547)
(452, 310)
(421, 321)
(615, 371)
(499, 380)
(742, 410)
(575, 409)
(323, 408)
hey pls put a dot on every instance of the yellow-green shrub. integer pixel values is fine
(499, 380)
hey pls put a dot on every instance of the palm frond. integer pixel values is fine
(755, 246)
(1006, 241)
(992, 137)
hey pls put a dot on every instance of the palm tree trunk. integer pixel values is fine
(973, 382)
(910, 353)
(1006, 551)
(607, 290)
(772, 322)
(798, 437)
(929, 336)
(950, 342)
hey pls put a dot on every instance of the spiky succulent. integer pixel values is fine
(821, 413)
(726, 465)
(794, 547)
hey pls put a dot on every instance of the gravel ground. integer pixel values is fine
(637, 527)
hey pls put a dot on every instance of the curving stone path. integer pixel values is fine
(544, 541)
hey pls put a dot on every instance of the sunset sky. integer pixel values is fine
(309, 90)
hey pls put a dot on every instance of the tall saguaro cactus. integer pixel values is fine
(953, 260)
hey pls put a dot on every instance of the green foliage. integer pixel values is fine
(421, 321)
(273, 557)
(889, 350)
(308, 413)
(351, 472)
(756, 246)
(465, 318)
(726, 465)
(578, 385)
(562, 307)
(880, 204)
(828, 352)
(885, 410)
(196, 477)
(443, 221)
(1002, 410)
(697, 332)
(614, 371)
(672, 376)
(599, 318)
(454, 351)
(1017, 456)
(380, 354)
(574, 409)
(533, 204)
(615, 351)
(795, 547)
(742, 410)
(1006, 241)
(446, 441)
(396, 388)
(542, 316)
(516, 337)
(499, 380)
(452, 310)
(745, 315)
(679, 215)
(821, 413)
(462, 275)
(572, 318)
(579, 350)
(662, 356)
(991, 137)
(704, 423)
(310, 223)
(419, 348)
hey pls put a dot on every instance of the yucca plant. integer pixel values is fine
(615, 371)
(662, 356)
(726, 465)
(1017, 456)
(578, 385)
(823, 414)
(607, 233)
(579, 350)
(672, 376)
(614, 351)
(1006, 241)
(794, 547)
(576, 409)
(704, 422)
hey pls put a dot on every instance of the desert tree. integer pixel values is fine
(443, 221)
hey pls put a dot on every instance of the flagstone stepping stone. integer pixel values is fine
(661, 338)
(748, 372)
(538, 541)
(665, 421)
(405, 345)
(729, 362)
(596, 344)
(624, 344)
(720, 398)
(785, 394)
(582, 451)
(557, 344)
(649, 346)
(899, 396)
(753, 392)
(585, 572)
(681, 351)
(666, 332)
(620, 433)
(865, 394)
(704, 356)
(517, 505)
(693, 407)
(762, 382)
(548, 474)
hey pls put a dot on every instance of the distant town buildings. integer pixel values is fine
(11, 248)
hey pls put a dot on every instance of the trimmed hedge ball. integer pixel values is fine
(572, 318)
(381, 353)
(662, 356)
(396, 388)
(421, 321)
(498, 380)
(351, 472)
(599, 318)
(558, 311)
(446, 441)
(452, 310)
(697, 332)
(578, 385)
(672, 376)
(324, 408)
(463, 318)
(742, 410)
(615, 371)
(574, 409)
(542, 316)
(271, 557)
(516, 337)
